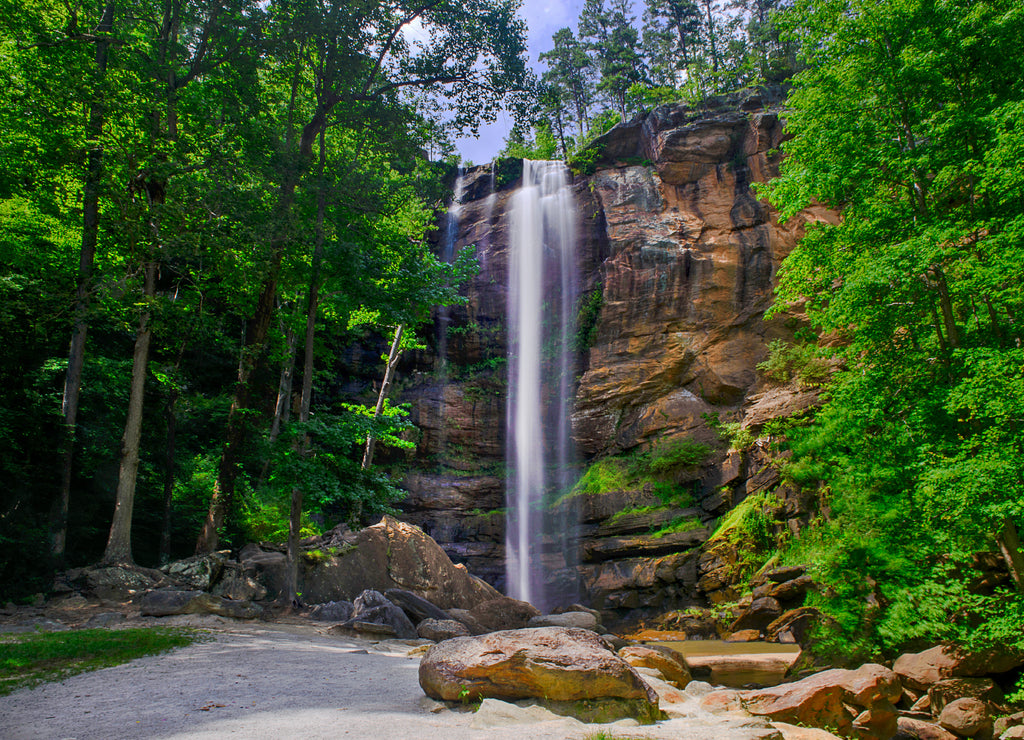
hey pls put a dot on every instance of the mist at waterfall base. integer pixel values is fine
(540, 539)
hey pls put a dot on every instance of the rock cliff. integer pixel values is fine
(677, 258)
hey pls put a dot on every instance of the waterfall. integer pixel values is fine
(541, 302)
(451, 230)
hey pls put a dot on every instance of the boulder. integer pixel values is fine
(552, 663)
(164, 603)
(915, 729)
(744, 636)
(415, 606)
(943, 692)
(795, 703)
(758, 615)
(116, 583)
(579, 620)
(825, 700)
(332, 611)
(465, 617)
(269, 568)
(504, 613)
(967, 717)
(1013, 733)
(1007, 722)
(791, 591)
(237, 583)
(373, 608)
(671, 664)
(787, 573)
(793, 626)
(394, 555)
(441, 629)
(921, 670)
(793, 732)
(167, 602)
(198, 572)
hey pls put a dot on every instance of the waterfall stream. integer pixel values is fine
(542, 295)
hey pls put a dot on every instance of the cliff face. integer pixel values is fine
(678, 255)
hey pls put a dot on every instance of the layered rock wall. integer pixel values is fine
(677, 259)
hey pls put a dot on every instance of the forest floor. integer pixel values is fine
(286, 679)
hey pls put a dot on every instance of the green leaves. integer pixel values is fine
(907, 124)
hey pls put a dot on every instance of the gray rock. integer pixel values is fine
(198, 572)
(235, 583)
(415, 606)
(332, 611)
(106, 619)
(372, 607)
(441, 629)
(580, 620)
(465, 617)
(166, 602)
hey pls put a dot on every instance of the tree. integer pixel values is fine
(671, 36)
(570, 69)
(472, 60)
(907, 123)
(610, 35)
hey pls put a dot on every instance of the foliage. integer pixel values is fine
(31, 659)
(587, 315)
(906, 121)
(800, 361)
(657, 469)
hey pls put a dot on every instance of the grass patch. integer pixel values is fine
(31, 659)
(657, 469)
(677, 525)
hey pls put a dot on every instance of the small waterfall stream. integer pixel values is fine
(541, 303)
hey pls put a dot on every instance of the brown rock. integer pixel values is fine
(1002, 724)
(796, 703)
(968, 717)
(943, 692)
(795, 622)
(915, 729)
(744, 636)
(1013, 733)
(821, 700)
(921, 670)
(758, 615)
(793, 732)
(504, 613)
(441, 629)
(793, 590)
(547, 662)
(671, 664)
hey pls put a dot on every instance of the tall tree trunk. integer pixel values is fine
(306, 404)
(952, 334)
(385, 387)
(90, 234)
(119, 547)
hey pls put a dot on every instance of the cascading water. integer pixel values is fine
(542, 297)
(448, 255)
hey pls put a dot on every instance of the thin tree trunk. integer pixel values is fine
(385, 387)
(119, 548)
(90, 234)
(172, 425)
(952, 334)
(1009, 545)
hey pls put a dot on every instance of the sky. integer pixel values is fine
(543, 18)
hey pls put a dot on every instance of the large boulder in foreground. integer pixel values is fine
(572, 670)
(393, 555)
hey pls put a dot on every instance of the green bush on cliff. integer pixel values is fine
(656, 470)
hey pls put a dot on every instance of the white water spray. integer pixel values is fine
(542, 296)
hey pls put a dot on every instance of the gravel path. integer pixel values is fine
(278, 682)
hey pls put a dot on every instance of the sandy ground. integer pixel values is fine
(278, 681)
